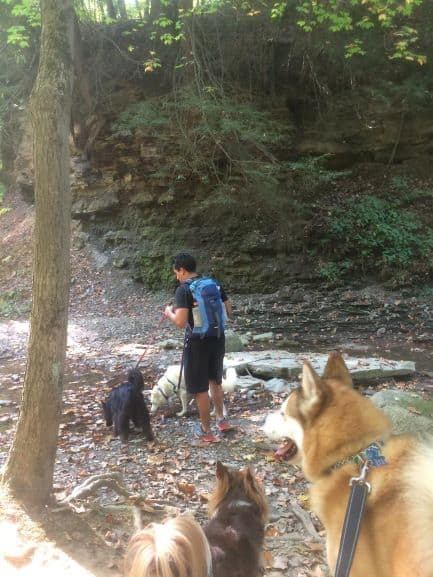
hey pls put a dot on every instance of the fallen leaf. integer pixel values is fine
(414, 410)
(315, 546)
(267, 558)
(272, 532)
(187, 488)
(21, 556)
(249, 457)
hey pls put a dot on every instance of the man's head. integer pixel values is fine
(184, 260)
(184, 266)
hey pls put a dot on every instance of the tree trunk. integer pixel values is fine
(111, 10)
(122, 9)
(155, 9)
(185, 4)
(30, 464)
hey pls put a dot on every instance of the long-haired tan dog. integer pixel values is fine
(175, 548)
(326, 425)
(236, 530)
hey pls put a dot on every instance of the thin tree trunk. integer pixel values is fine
(122, 9)
(155, 9)
(111, 10)
(30, 465)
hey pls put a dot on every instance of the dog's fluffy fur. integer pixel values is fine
(325, 422)
(167, 387)
(176, 548)
(236, 529)
(126, 403)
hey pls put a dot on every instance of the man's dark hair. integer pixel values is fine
(186, 261)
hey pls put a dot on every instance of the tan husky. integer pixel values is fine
(327, 425)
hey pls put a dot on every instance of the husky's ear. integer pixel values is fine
(313, 390)
(310, 381)
(221, 471)
(336, 369)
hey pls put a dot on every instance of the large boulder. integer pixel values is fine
(408, 412)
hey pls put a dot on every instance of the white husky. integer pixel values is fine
(167, 387)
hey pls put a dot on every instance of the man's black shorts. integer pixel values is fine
(203, 362)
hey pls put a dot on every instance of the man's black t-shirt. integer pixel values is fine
(184, 300)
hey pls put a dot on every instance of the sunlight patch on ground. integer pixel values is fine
(15, 328)
(134, 349)
(21, 558)
(23, 227)
(80, 339)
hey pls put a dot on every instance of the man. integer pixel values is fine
(203, 355)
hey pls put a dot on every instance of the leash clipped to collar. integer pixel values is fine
(360, 488)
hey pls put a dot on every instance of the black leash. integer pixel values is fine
(182, 360)
(352, 522)
(372, 457)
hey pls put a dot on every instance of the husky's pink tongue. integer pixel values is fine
(285, 451)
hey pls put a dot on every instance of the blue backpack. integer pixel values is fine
(208, 308)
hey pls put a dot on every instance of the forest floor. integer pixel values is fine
(112, 322)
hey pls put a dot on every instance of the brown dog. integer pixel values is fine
(236, 530)
(327, 425)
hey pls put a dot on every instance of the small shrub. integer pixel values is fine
(333, 272)
(3, 209)
(11, 304)
(155, 272)
(310, 172)
(219, 136)
(148, 113)
(376, 235)
(407, 193)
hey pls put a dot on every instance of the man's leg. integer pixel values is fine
(203, 404)
(195, 365)
(217, 395)
(216, 363)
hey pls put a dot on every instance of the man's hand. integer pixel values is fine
(179, 317)
(169, 312)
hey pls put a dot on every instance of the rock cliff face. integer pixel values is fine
(126, 201)
(130, 199)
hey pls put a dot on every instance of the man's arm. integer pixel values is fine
(179, 317)
(229, 309)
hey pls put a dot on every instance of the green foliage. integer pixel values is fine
(376, 235)
(225, 118)
(205, 117)
(391, 17)
(407, 193)
(20, 17)
(426, 292)
(310, 172)
(333, 272)
(155, 272)
(3, 210)
(219, 137)
(149, 114)
(11, 304)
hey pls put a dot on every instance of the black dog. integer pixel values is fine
(125, 403)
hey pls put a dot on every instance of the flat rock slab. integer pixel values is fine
(285, 365)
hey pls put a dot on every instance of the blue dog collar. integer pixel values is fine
(371, 455)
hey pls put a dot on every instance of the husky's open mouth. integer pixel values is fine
(286, 451)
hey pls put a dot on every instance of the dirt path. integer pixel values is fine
(112, 320)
